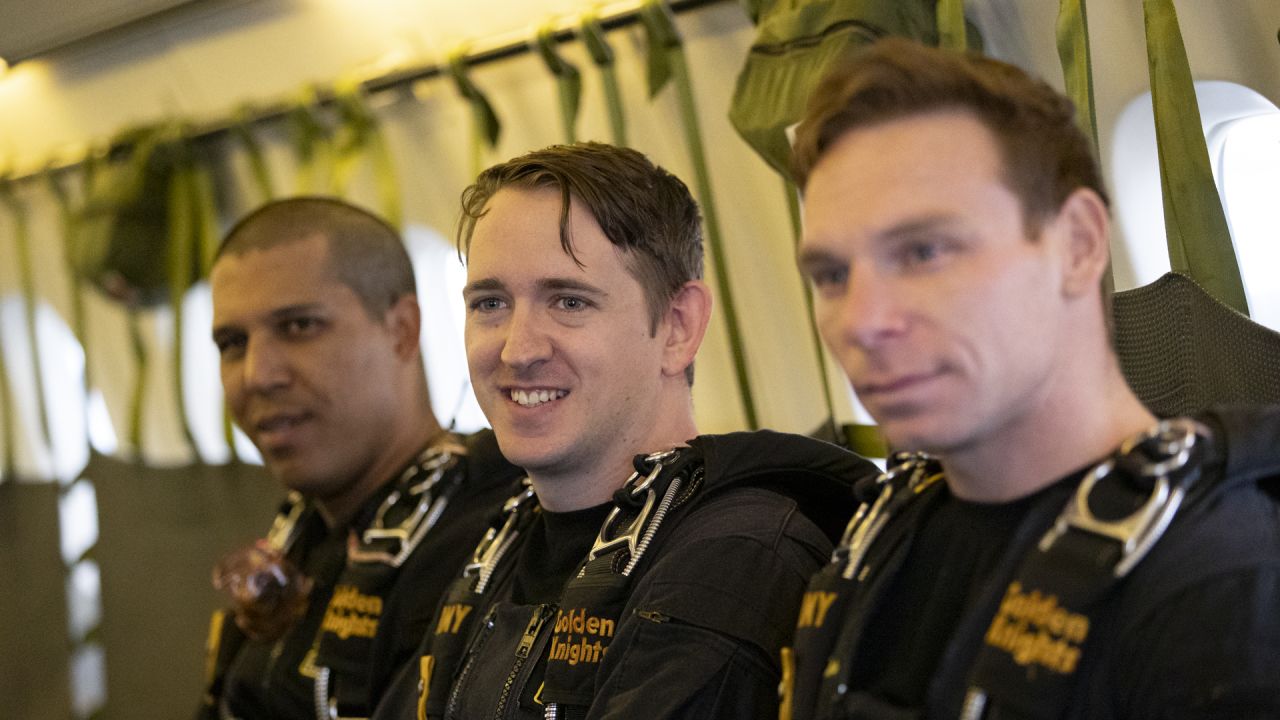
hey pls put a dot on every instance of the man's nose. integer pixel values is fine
(265, 366)
(870, 311)
(526, 342)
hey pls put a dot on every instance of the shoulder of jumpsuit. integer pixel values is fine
(753, 537)
(1230, 522)
(1196, 620)
(817, 475)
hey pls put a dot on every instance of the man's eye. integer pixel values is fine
(300, 326)
(923, 252)
(486, 304)
(229, 345)
(828, 278)
(572, 303)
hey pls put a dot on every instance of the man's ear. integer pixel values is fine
(685, 323)
(404, 321)
(1086, 237)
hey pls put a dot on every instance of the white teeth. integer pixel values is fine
(535, 398)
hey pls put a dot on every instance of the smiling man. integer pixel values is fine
(316, 320)
(649, 572)
(1057, 553)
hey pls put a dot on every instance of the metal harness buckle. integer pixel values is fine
(497, 541)
(1172, 442)
(393, 545)
(871, 518)
(630, 537)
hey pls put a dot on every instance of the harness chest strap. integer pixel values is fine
(456, 617)
(593, 600)
(1034, 643)
(411, 508)
(1034, 646)
(822, 637)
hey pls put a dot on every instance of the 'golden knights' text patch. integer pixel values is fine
(579, 637)
(1036, 631)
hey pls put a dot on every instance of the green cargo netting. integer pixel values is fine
(796, 43)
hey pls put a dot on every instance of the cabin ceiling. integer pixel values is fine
(29, 28)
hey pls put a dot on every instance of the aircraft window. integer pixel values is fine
(1242, 130)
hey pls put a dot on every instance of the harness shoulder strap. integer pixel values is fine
(1035, 643)
(465, 600)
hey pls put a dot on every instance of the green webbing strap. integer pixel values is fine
(207, 238)
(10, 412)
(603, 57)
(141, 362)
(69, 229)
(568, 80)
(485, 127)
(951, 30)
(1195, 226)
(1077, 71)
(797, 233)
(27, 278)
(310, 144)
(10, 420)
(1077, 64)
(181, 269)
(360, 136)
(667, 61)
(253, 149)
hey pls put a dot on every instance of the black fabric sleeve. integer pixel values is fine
(1210, 651)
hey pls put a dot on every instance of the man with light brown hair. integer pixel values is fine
(1052, 551)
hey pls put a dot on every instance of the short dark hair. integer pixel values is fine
(644, 210)
(365, 252)
(1044, 153)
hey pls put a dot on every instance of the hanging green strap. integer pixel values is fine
(10, 410)
(664, 42)
(360, 137)
(602, 56)
(797, 232)
(1077, 71)
(27, 279)
(70, 226)
(310, 138)
(485, 127)
(207, 238)
(9, 468)
(568, 80)
(951, 30)
(240, 129)
(1077, 63)
(181, 271)
(1195, 226)
(141, 360)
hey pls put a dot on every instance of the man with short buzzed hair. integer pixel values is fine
(316, 321)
